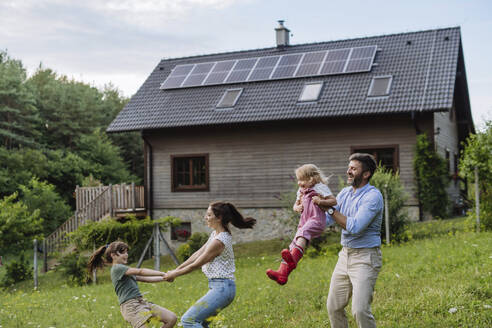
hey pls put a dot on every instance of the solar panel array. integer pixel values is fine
(327, 62)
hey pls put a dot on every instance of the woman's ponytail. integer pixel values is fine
(229, 214)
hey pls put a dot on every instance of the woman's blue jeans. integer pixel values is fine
(220, 294)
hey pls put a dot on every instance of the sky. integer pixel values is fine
(121, 41)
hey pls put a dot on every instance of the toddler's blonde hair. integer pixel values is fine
(311, 171)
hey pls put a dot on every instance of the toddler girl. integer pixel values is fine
(312, 182)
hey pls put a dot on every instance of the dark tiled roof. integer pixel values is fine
(423, 71)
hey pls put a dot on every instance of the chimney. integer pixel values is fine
(282, 34)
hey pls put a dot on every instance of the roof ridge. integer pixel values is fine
(245, 51)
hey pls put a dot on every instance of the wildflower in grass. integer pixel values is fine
(453, 310)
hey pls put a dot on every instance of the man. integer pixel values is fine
(359, 212)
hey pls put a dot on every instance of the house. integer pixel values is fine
(234, 126)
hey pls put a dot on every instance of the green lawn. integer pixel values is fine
(420, 284)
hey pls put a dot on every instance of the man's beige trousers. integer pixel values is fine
(354, 276)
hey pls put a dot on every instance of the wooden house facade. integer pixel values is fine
(234, 126)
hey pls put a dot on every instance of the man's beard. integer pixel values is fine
(356, 181)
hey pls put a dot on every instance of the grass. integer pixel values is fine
(420, 283)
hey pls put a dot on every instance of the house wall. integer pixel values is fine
(447, 139)
(251, 165)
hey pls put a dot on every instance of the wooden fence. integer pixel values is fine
(95, 204)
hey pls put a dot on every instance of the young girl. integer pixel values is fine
(216, 258)
(134, 308)
(312, 182)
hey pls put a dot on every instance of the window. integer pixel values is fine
(190, 172)
(386, 155)
(380, 86)
(311, 91)
(229, 98)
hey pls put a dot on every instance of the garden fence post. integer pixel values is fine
(157, 253)
(35, 264)
(477, 199)
(45, 257)
(94, 272)
(386, 214)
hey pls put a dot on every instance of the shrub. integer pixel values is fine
(134, 232)
(389, 182)
(74, 267)
(16, 271)
(432, 177)
(197, 240)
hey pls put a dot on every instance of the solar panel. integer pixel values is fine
(287, 66)
(311, 63)
(326, 62)
(332, 67)
(361, 59)
(198, 74)
(241, 70)
(219, 72)
(264, 68)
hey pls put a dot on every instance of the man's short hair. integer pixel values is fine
(367, 160)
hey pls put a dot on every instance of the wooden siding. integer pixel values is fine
(251, 165)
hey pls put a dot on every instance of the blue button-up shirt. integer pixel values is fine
(364, 211)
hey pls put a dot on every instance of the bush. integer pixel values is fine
(74, 267)
(134, 232)
(384, 179)
(432, 177)
(16, 271)
(197, 240)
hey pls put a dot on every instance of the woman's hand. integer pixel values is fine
(169, 276)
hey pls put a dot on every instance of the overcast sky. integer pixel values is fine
(121, 41)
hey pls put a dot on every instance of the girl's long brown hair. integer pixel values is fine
(229, 214)
(102, 255)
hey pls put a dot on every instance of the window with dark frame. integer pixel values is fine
(386, 156)
(190, 172)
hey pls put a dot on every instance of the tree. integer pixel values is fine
(432, 178)
(18, 225)
(104, 158)
(477, 153)
(40, 195)
(18, 114)
(68, 109)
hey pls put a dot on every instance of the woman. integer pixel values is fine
(216, 258)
